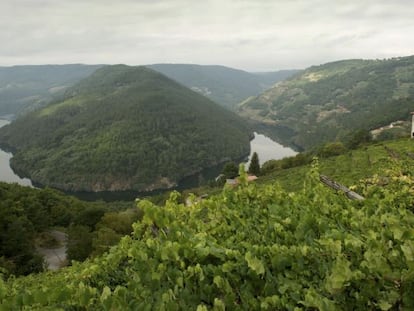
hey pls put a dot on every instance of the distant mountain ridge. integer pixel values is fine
(124, 128)
(331, 101)
(27, 87)
(225, 86)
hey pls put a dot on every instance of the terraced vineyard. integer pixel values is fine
(348, 168)
(250, 248)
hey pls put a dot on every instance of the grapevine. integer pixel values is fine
(250, 248)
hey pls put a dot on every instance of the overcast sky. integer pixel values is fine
(255, 35)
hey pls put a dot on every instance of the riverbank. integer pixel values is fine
(266, 148)
(6, 173)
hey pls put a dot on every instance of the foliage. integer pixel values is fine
(249, 249)
(17, 251)
(254, 167)
(331, 149)
(393, 132)
(347, 168)
(79, 244)
(26, 213)
(124, 128)
(24, 88)
(357, 138)
(330, 102)
(23, 213)
(300, 159)
(225, 86)
(112, 227)
(230, 170)
(89, 216)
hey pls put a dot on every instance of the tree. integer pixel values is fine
(332, 149)
(103, 239)
(90, 216)
(230, 170)
(79, 242)
(254, 167)
(357, 138)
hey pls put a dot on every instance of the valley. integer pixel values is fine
(124, 128)
(225, 86)
(180, 239)
(212, 155)
(335, 100)
(266, 148)
(312, 239)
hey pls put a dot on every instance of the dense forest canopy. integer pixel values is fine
(124, 128)
(27, 215)
(24, 213)
(331, 101)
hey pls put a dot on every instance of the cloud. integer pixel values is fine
(252, 35)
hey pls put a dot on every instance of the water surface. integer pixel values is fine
(6, 173)
(266, 148)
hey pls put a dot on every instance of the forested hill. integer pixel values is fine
(27, 87)
(329, 102)
(124, 128)
(24, 88)
(226, 86)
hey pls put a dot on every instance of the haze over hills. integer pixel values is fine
(24, 88)
(331, 101)
(124, 128)
(226, 86)
(28, 87)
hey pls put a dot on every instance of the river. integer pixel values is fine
(266, 148)
(6, 173)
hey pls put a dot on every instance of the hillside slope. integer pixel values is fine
(309, 250)
(27, 87)
(328, 102)
(25, 214)
(225, 86)
(124, 128)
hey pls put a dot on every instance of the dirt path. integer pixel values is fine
(55, 257)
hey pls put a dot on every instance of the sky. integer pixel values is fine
(255, 35)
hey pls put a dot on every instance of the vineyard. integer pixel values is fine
(250, 248)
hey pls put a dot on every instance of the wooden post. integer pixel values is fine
(412, 124)
(337, 186)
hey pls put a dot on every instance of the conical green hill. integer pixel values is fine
(124, 128)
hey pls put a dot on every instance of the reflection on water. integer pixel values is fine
(6, 173)
(266, 148)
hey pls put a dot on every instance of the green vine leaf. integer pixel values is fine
(255, 264)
